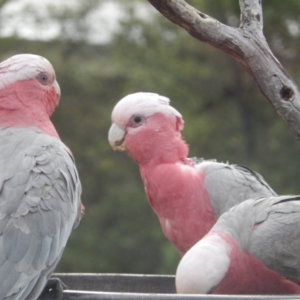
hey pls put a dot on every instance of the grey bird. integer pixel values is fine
(40, 190)
(252, 249)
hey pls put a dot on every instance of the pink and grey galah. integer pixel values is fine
(39, 185)
(188, 195)
(252, 249)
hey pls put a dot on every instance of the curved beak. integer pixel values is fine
(116, 136)
(57, 89)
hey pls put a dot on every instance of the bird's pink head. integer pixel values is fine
(147, 128)
(29, 92)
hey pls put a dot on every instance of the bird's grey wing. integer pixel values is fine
(39, 205)
(268, 229)
(276, 240)
(228, 185)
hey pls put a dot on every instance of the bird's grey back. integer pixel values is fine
(39, 205)
(228, 185)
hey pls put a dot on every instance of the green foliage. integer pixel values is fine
(225, 118)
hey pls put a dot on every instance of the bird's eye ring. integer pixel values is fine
(137, 120)
(43, 78)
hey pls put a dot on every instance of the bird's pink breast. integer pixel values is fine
(177, 195)
(247, 275)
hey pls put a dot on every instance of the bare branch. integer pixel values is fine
(248, 46)
(251, 14)
(199, 25)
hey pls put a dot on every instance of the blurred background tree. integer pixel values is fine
(225, 116)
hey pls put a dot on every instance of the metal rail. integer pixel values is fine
(134, 287)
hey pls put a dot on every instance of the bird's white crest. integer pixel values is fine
(23, 66)
(203, 266)
(142, 103)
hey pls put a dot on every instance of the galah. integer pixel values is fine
(39, 185)
(188, 195)
(252, 249)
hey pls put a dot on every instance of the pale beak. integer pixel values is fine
(57, 89)
(116, 136)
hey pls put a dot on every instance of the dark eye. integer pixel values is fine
(137, 120)
(43, 78)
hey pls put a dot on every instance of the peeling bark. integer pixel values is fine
(248, 46)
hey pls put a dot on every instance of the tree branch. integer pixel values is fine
(251, 14)
(248, 46)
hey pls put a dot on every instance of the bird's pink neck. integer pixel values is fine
(166, 146)
(15, 110)
(21, 119)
